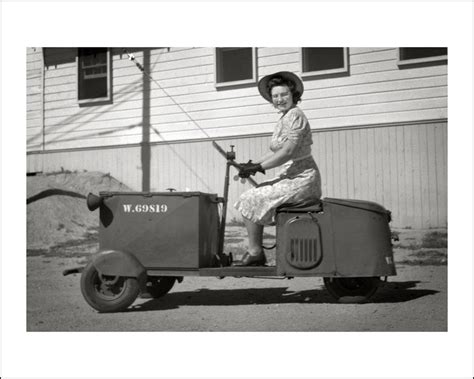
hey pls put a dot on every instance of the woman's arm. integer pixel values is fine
(283, 155)
(264, 157)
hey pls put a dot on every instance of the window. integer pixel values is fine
(414, 55)
(323, 60)
(235, 65)
(93, 75)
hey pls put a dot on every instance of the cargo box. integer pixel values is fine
(170, 230)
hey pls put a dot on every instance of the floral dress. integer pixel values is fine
(299, 179)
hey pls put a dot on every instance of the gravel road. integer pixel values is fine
(414, 300)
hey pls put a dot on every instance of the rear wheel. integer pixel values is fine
(158, 286)
(352, 290)
(108, 293)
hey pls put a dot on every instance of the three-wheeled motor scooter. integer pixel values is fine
(148, 241)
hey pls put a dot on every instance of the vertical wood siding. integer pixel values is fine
(122, 163)
(403, 168)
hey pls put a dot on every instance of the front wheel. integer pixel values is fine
(108, 293)
(352, 290)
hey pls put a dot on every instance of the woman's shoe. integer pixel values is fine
(252, 260)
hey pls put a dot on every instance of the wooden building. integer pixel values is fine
(378, 115)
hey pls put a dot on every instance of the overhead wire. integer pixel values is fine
(132, 58)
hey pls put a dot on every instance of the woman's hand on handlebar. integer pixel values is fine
(250, 168)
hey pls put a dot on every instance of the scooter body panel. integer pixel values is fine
(338, 237)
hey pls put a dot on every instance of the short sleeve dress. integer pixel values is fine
(299, 179)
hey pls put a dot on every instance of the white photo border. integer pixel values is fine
(43, 24)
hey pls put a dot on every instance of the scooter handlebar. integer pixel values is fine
(242, 180)
(230, 155)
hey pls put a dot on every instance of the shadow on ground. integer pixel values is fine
(392, 292)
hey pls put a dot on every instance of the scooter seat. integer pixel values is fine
(305, 206)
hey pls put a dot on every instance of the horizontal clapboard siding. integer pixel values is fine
(34, 99)
(165, 109)
(376, 91)
(402, 167)
(379, 132)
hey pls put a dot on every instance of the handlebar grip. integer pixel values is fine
(242, 180)
(238, 166)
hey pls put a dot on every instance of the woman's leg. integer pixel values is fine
(255, 233)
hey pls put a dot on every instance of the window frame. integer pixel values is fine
(408, 62)
(96, 100)
(341, 70)
(234, 83)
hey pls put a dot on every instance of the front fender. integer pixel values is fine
(118, 263)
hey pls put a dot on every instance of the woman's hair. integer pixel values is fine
(279, 81)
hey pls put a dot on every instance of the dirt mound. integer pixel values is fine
(57, 211)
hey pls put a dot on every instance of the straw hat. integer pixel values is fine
(286, 75)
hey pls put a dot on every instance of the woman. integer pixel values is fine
(299, 179)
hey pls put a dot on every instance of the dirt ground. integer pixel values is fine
(56, 207)
(414, 300)
(62, 234)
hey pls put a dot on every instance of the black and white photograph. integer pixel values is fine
(176, 185)
(207, 181)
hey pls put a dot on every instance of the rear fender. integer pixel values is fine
(120, 263)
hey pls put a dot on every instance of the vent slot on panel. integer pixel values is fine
(304, 253)
(303, 247)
